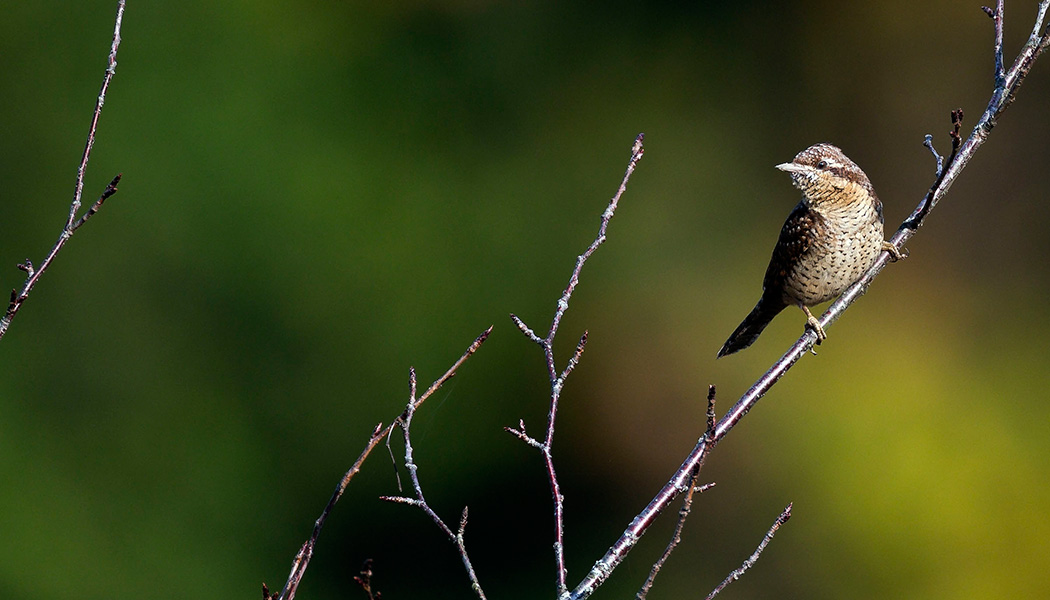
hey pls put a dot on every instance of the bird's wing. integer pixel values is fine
(798, 237)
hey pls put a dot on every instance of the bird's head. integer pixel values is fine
(823, 173)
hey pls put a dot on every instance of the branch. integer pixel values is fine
(687, 506)
(915, 221)
(751, 560)
(558, 380)
(1002, 96)
(364, 579)
(302, 558)
(18, 297)
(405, 423)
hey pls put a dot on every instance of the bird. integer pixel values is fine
(829, 240)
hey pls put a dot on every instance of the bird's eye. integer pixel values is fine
(822, 164)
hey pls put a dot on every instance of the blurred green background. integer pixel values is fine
(318, 195)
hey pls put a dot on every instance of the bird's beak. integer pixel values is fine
(791, 167)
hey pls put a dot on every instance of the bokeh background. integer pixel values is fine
(320, 194)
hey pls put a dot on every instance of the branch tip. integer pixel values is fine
(751, 560)
(412, 385)
(710, 412)
(525, 329)
(938, 159)
(481, 338)
(463, 522)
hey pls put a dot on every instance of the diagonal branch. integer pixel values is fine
(1002, 96)
(751, 560)
(18, 297)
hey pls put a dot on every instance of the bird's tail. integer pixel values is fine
(752, 327)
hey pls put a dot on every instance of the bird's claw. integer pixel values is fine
(895, 252)
(814, 324)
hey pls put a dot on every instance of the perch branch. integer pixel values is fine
(557, 380)
(302, 558)
(1002, 96)
(18, 297)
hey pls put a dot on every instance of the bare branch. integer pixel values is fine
(94, 208)
(364, 579)
(687, 504)
(558, 380)
(997, 16)
(676, 537)
(1001, 97)
(928, 142)
(529, 333)
(927, 202)
(451, 372)
(405, 423)
(575, 360)
(302, 558)
(72, 224)
(710, 411)
(521, 435)
(750, 562)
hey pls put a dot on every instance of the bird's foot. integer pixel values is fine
(895, 252)
(814, 324)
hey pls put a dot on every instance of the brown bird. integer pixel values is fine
(828, 241)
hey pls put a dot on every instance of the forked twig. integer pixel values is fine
(18, 297)
(419, 501)
(557, 380)
(302, 558)
(687, 506)
(916, 221)
(364, 579)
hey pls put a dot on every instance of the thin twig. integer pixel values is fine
(18, 297)
(687, 506)
(1002, 95)
(710, 411)
(928, 142)
(927, 203)
(420, 502)
(676, 538)
(302, 558)
(997, 16)
(557, 380)
(751, 560)
(364, 579)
